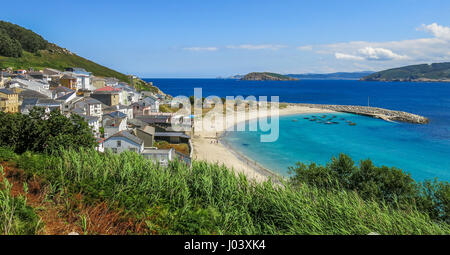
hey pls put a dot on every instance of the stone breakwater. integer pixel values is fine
(385, 114)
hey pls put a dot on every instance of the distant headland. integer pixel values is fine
(437, 72)
(266, 76)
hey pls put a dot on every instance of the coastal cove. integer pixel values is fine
(419, 149)
(385, 143)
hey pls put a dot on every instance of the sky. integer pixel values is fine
(210, 38)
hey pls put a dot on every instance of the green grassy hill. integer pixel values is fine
(424, 72)
(21, 48)
(58, 59)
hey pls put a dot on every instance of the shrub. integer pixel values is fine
(384, 184)
(7, 154)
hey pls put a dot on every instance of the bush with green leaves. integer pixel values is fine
(42, 132)
(384, 184)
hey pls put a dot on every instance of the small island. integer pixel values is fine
(266, 76)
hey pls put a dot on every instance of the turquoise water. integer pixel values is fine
(385, 143)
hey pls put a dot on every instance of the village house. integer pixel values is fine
(98, 82)
(128, 110)
(20, 71)
(90, 106)
(66, 101)
(111, 81)
(131, 94)
(68, 81)
(60, 91)
(139, 109)
(152, 101)
(83, 77)
(53, 73)
(100, 146)
(39, 76)
(93, 122)
(161, 157)
(156, 118)
(9, 101)
(147, 134)
(123, 141)
(122, 94)
(31, 84)
(48, 104)
(109, 98)
(172, 137)
(114, 122)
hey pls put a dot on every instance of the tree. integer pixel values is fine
(28, 40)
(42, 132)
(9, 47)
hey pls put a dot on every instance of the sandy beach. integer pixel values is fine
(208, 147)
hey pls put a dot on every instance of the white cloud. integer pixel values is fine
(201, 48)
(256, 47)
(437, 30)
(339, 55)
(388, 53)
(370, 53)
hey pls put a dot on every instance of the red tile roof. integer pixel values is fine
(108, 88)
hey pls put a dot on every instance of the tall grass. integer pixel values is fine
(16, 218)
(210, 199)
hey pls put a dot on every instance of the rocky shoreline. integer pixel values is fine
(375, 112)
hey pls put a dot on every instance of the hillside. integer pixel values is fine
(21, 48)
(266, 76)
(332, 76)
(436, 72)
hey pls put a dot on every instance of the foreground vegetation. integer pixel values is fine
(209, 199)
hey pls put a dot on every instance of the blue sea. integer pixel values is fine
(422, 150)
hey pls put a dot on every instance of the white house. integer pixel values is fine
(36, 85)
(124, 141)
(94, 124)
(48, 104)
(91, 106)
(161, 157)
(66, 101)
(60, 91)
(114, 122)
(83, 78)
(111, 81)
(151, 103)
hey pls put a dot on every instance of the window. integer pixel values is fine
(119, 143)
(114, 150)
